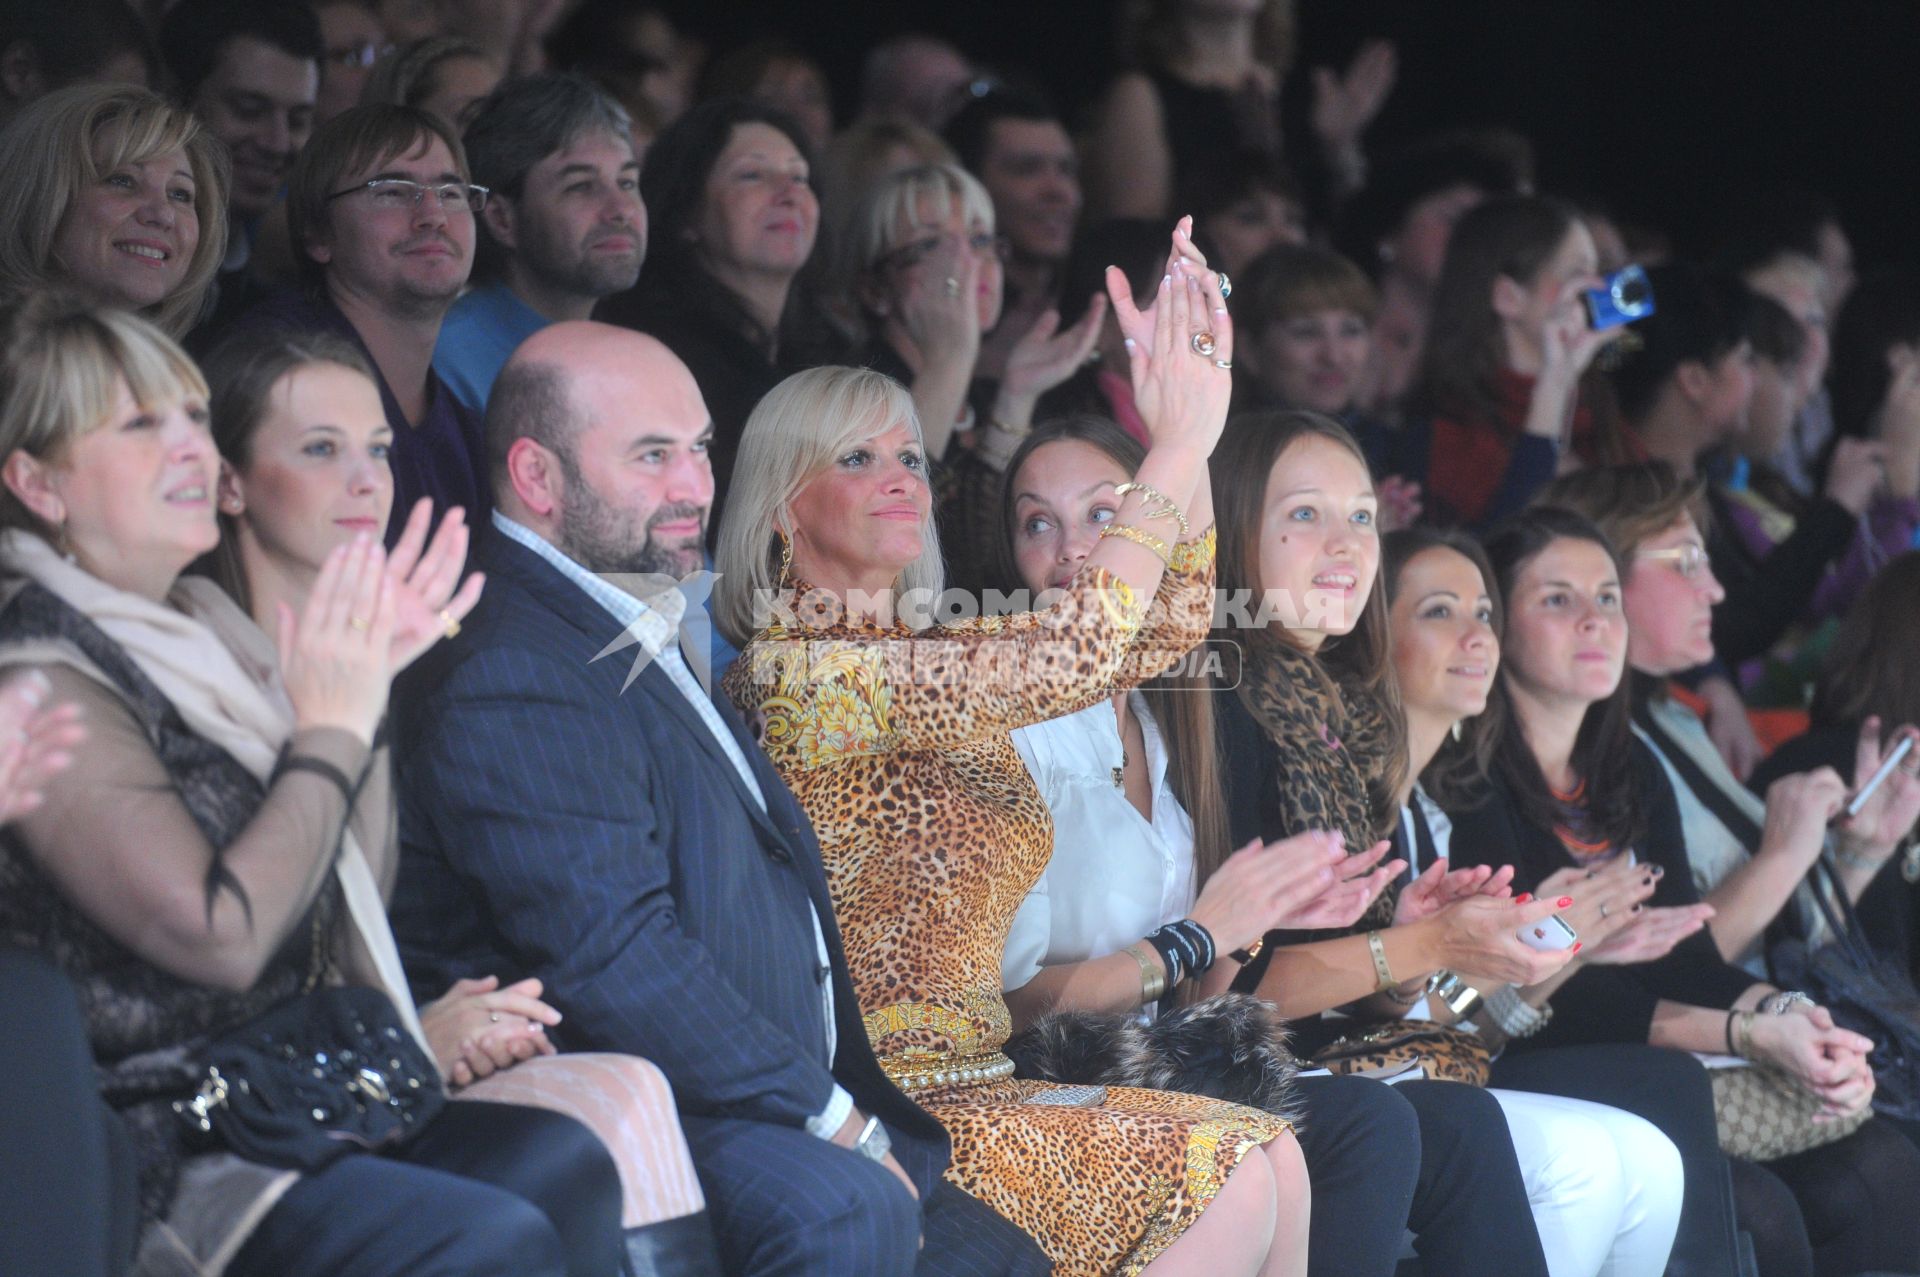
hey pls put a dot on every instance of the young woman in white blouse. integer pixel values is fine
(1140, 842)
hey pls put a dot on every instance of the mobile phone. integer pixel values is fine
(1549, 935)
(1887, 765)
(1624, 296)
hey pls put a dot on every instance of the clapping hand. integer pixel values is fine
(1046, 356)
(939, 304)
(36, 741)
(426, 609)
(1438, 886)
(1357, 882)
(477, 1028)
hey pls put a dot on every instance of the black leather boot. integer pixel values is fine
(682, 1247)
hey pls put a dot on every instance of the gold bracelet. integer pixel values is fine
(1166, 508)
(1153, 977)
(1743, 1036)
(1381, 971)
(1138, 537)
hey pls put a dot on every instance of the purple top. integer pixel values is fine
(1886, 531)
(444, 456)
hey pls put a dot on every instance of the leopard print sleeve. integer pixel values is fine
(1181, 615)
(825, 694)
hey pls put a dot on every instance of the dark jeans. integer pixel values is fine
(1670, 1090)
(488, 1190)
(1431, 1156)
(786, 1202)
(1852, 1206)
(67, 1202)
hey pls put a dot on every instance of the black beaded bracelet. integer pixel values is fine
(1186, 947)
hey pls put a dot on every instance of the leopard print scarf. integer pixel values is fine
(1334, 749)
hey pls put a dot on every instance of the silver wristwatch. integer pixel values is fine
(874, 1143)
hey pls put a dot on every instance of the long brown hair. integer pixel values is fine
(1512, 237)
(1603, 750)
(1456, 776)
(1363, 660)
(1179, 700)
(241, 375)
(1870, 667)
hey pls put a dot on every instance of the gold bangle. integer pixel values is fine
(1153, 977)
(1138, 537)
(1381, 971)
(1166, 508)
(1010, 431)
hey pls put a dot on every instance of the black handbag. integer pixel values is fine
(330, 1072)
(1864, 992)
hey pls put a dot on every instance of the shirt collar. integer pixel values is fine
(654, 621)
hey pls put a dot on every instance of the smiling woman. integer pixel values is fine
(118, 195)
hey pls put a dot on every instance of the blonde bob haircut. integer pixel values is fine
(803, 425)
(73, 138)
(62, 363)
(901, 198)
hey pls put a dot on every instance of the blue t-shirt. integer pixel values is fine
(480, 333)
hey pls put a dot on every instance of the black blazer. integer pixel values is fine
(554, 826)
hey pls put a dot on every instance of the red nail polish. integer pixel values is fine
(1565, 901)
(1577, 944)
(1523, 897)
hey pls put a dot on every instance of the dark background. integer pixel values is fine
(1669, 110)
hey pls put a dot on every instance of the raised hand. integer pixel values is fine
(425, 605)
(1343, 105)
(940, 305)
(1358, 881)
(1045, 357)
(477, 1028)
(1182, 395)
(1856, 473)
(36, 741)
(334, 657)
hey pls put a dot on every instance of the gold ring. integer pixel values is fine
(952, 286)
(449, 626)
(1203, 345)
(359, 623)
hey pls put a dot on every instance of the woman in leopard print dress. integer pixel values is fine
(895, 739)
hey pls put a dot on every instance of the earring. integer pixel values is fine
(786, 560)
(234, 505)
(1458, 732)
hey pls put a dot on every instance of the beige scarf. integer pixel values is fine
(222, 674)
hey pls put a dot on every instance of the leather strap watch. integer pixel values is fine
(874, 1143)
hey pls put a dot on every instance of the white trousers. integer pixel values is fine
(1605, 1185)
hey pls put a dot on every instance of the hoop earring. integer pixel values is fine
(786, 560)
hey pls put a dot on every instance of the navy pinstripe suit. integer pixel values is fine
(552, 826)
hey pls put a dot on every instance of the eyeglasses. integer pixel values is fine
(363, 54)
(398, 194)
(907, 256)
(1689, 560)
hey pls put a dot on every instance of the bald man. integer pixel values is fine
(579, 807)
